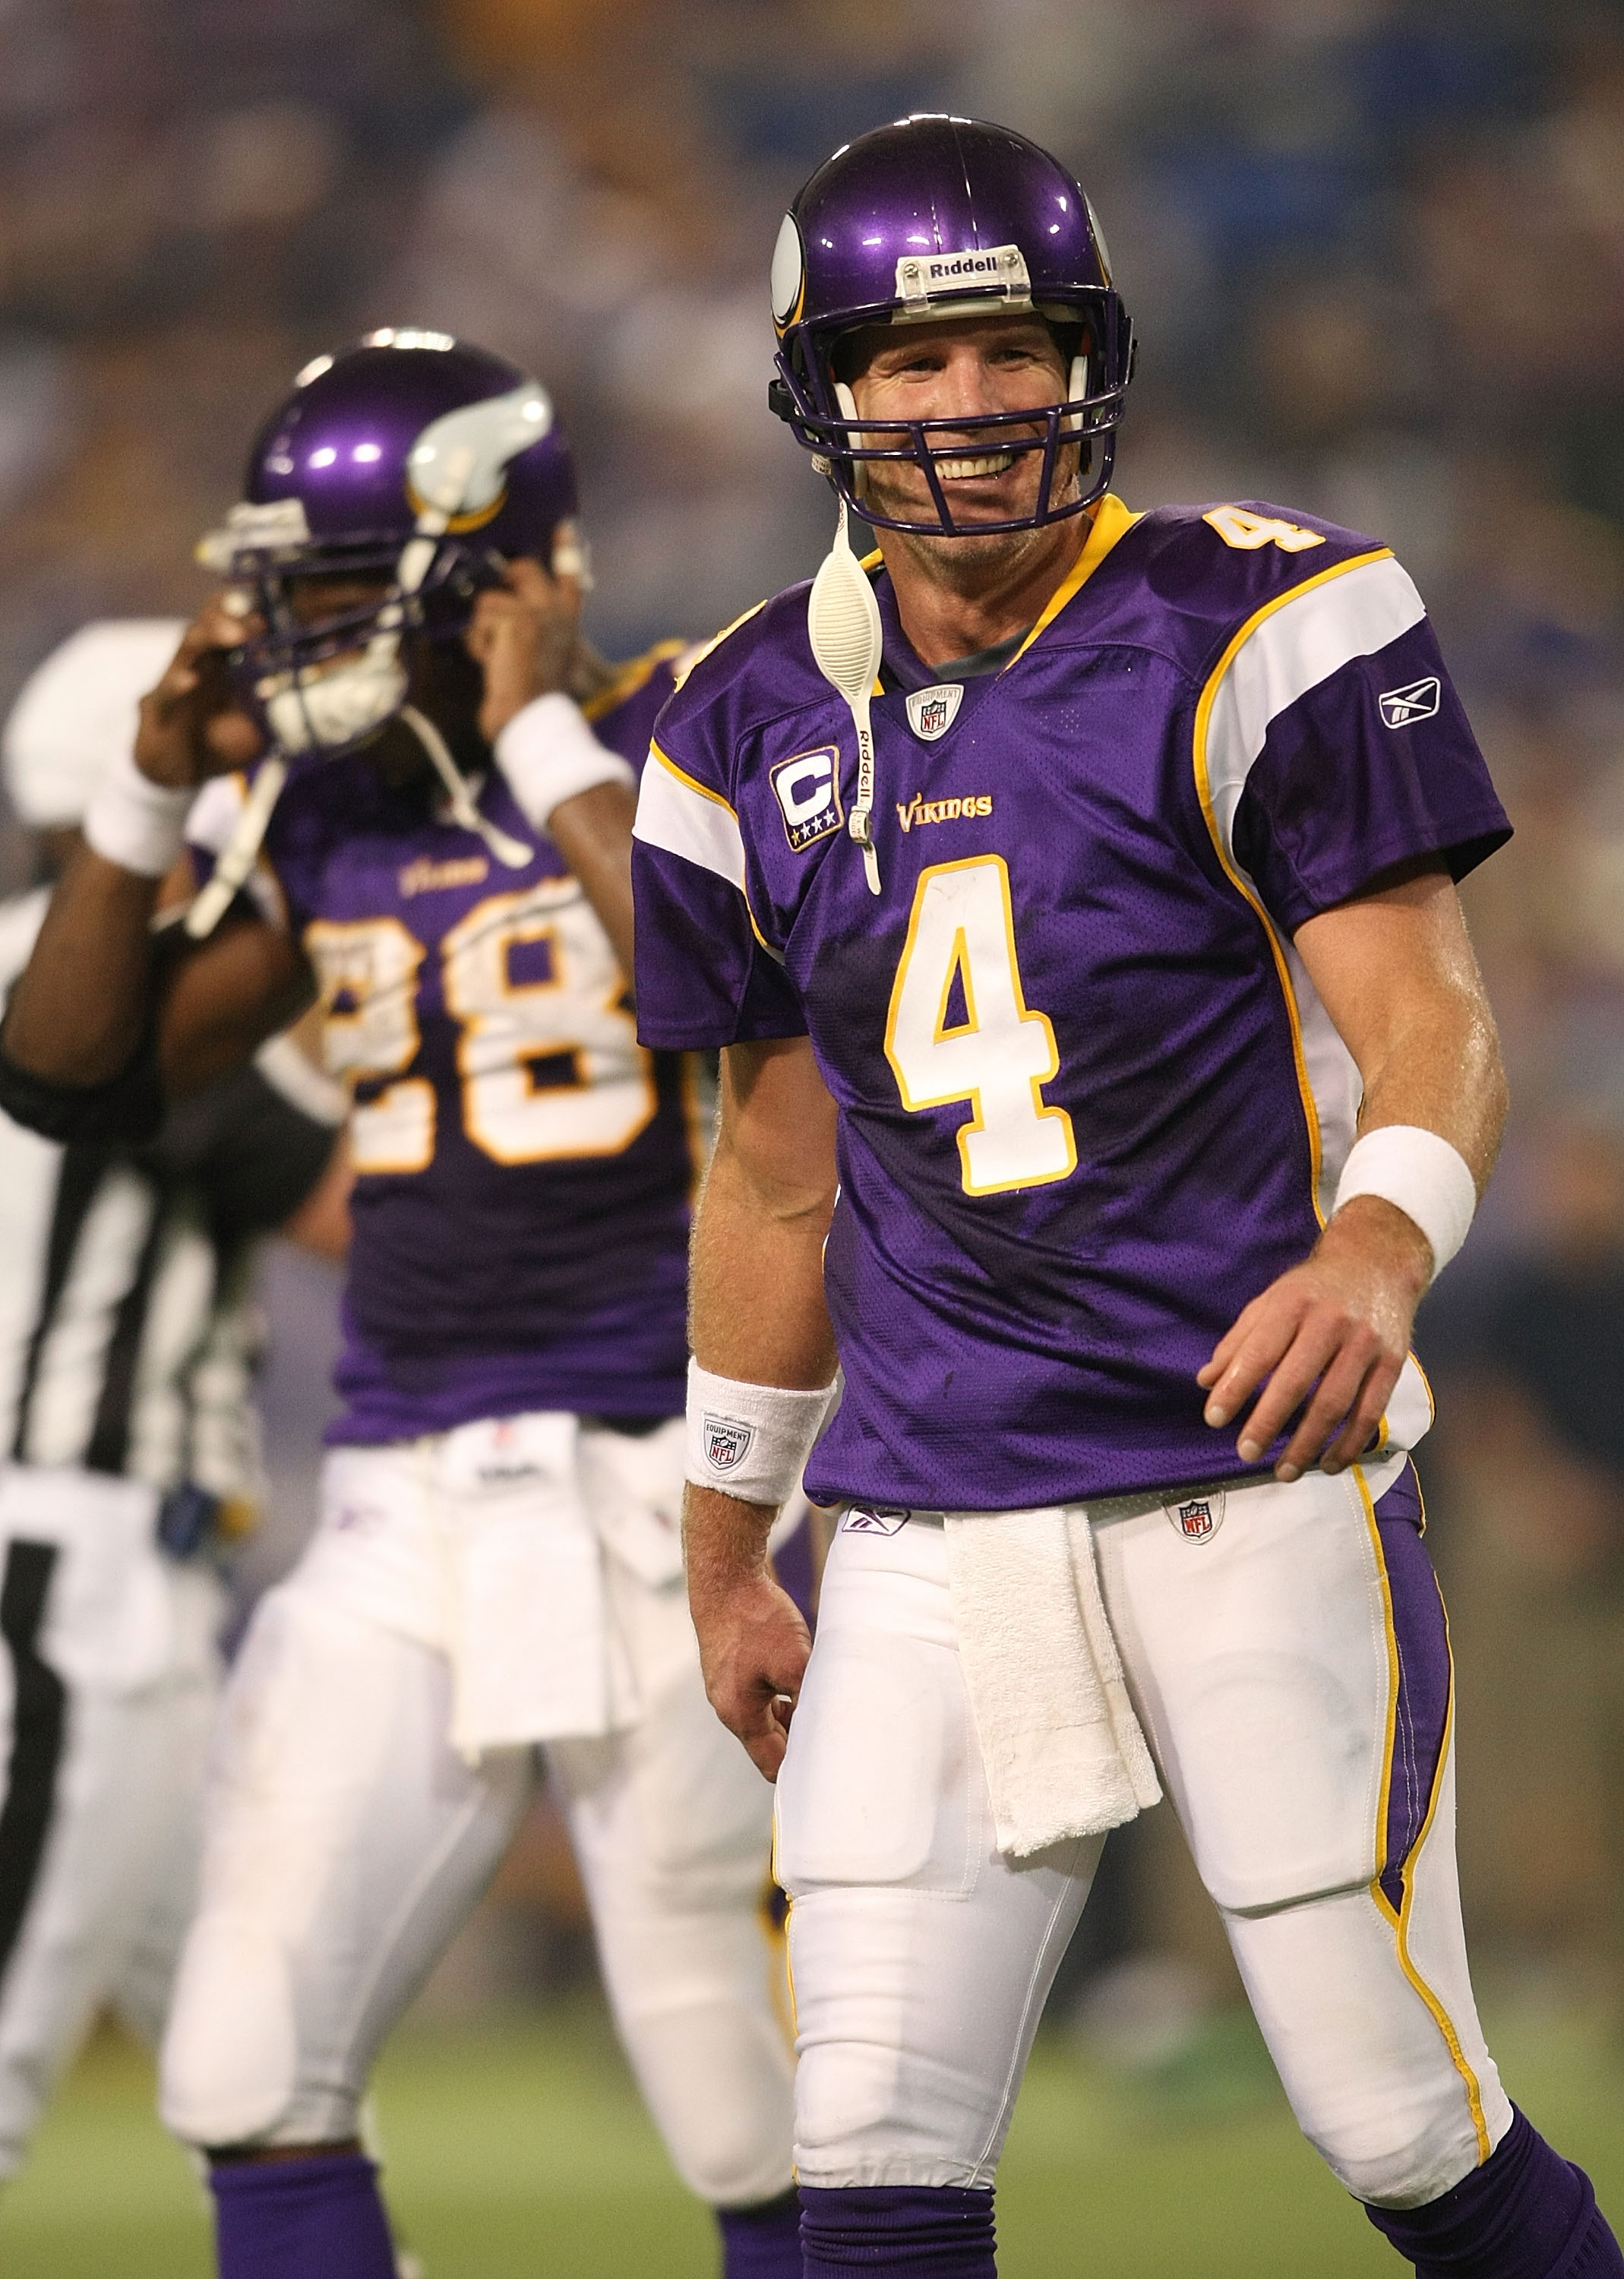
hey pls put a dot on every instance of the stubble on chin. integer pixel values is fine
(970, 564)
(969, 558)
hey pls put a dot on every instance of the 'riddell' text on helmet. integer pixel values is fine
(934, 218)
(413, 458)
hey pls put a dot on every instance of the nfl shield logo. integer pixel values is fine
(727, 1442)
(933, 711)
(1198, 1519)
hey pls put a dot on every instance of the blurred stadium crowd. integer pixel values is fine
(1376, 252)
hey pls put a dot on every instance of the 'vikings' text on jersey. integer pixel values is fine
(1090, 1102)
(524, 1166)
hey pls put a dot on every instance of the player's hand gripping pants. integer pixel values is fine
(347, 1842)
(1292, 1673)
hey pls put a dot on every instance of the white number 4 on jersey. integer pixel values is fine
(990, 1047)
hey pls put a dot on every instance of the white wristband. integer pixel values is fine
(1421, 1175)
(136, 823)
(548, 754)
(751, 1441)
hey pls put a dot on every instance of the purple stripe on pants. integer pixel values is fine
(1423, 1676)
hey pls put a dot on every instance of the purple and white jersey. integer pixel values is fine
(1090, 1103)
(523, 1167)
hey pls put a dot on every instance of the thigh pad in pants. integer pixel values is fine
(921, 1958)
(345, 1843)
(1260, 1663)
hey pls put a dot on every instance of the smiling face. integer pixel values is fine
(961, 368)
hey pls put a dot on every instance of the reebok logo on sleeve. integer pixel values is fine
(1419, 702)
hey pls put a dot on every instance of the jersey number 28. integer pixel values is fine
(368, 973)
(959, 1028)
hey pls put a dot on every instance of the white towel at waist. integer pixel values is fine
(534, 1653)
(1062, 1747)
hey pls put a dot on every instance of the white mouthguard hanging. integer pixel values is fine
(843, 624)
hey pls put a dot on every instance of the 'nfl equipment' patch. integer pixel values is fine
(1419, 702)
(808, 791)
(875, 1519)
(727, 1442)
(1198, 1519)
(933, 711)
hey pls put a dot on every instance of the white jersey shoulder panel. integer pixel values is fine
(1288, 650)
(679, 816)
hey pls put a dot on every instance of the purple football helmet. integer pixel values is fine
(931, 218)
(410, 457)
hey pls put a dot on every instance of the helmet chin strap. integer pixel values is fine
(1076, 389)
(210, 905)
(847, 402)
(843, 626)
(237, 858)
(459, 799)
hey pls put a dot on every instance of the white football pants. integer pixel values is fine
(346, 1841)
(108, 1678)
(1291, 1674)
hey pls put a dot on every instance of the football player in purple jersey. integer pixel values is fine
(1105, 1073)
(430, 833)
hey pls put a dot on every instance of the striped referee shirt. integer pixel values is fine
(128, 1336)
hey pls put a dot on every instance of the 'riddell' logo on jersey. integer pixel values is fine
(921, 811)
(1419, 702)
(808, 791)
(426, 878)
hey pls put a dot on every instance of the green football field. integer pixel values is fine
(522, 2154)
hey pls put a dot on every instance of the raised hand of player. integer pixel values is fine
(193, 724)
(524, 635)
(752, 1642)
(1335, 1328)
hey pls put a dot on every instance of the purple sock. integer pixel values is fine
(1526, 2214)
(762, 2242)
(934, 2231)
(319, 2218)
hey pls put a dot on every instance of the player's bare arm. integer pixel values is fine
(526, 637)
(759, 1315)
(83, 1004)
(1395, 972)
